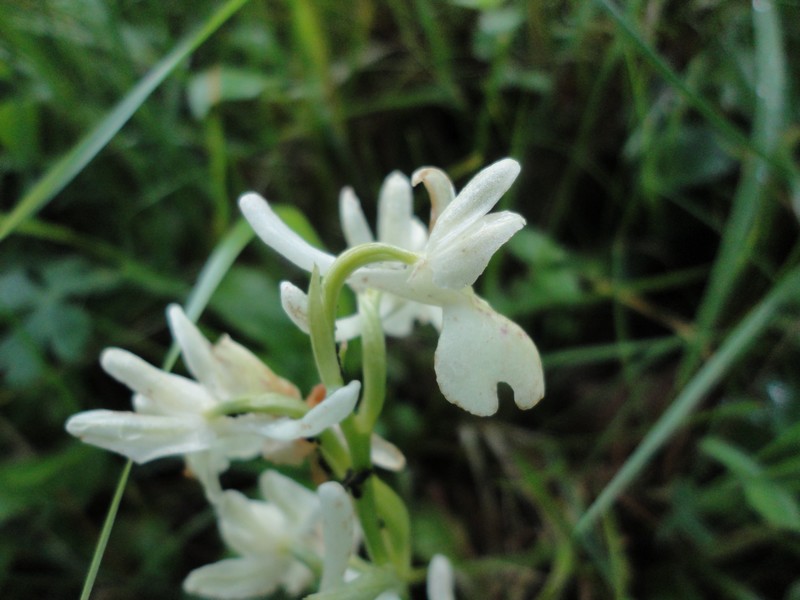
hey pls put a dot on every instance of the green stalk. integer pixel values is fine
(358, 427)
(323, 297)
(105, 534)
(355, 258)
(712, 372)
(374, 362)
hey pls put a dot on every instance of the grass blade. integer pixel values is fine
(748, 202)
(737, 343)
(211, 275)
(717, 120)
(73, 162)
(102, 542)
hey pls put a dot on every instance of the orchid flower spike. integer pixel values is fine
(174, 415)
(478, 348)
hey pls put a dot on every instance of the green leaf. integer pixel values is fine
(551, 280)
(233, 301)
(689, 156)
(776, 505)
(734, 459)
(18, 291)
(73, 162)
(367, 586)
(21, 363)
(29, 484)
(223, 84)
(19, 130)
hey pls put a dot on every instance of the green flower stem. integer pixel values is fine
(358, 427)
(323, 296)
(374, 361)
(271, 404)
(351, 260)
(335, 453)
(323, 343)
(397, 526)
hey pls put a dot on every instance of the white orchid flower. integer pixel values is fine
(397, 226)
(478, 348)
(272, 536)
(175, 415)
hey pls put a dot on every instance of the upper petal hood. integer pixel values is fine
(473, 202)
(460, 263)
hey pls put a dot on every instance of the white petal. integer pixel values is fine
(440, 579)
(398, 315)
(297, 502)
(395, 206)
(419, 235)
(295, 305)
(252, 527)
(238, 437)
(473, 202)
(338, 530)
(459, 263)
(330, 411)
(413, 283)
(195, 348)
(206, 467)
(354, 224)
(141, 437)
(348, 328)
(385, 454)
(440, 189)
(240, 373)
(478, 348)
(246, 577)
(170, 394)
(278, 236)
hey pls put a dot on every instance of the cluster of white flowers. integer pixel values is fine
(478, 348)
(235, 407)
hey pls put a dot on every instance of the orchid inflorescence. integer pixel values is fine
(237, 408)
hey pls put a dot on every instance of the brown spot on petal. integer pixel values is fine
(316, 396)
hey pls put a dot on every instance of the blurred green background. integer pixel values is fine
(659, 272)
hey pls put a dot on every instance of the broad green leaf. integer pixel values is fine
(773, 502)
(19, 130)
(222, 84)
(17, 290)
(776, 505)
(28, 484)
